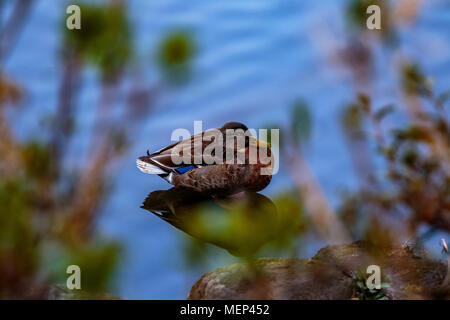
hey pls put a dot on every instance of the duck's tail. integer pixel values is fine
(162, 165)
(152, 164)
(146, 165)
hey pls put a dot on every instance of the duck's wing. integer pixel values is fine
(161, 162)
(217, 179)
(203, 138)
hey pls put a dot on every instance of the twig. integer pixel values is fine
(446, 280)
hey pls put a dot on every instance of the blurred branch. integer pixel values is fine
(13, 26)
(446, 280)
(406, 11)
(63, 122)
(317, 206)
(415, 86)
(308, 188)
(352, 123)
(10, 152)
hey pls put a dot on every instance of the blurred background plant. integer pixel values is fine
(49, 210)
(70, 193)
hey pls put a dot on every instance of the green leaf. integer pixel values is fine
(105, 38)
(383, 112)
(301, 120)
(175, 54)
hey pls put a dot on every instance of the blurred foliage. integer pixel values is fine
(411, 192)
(174, 55)
(10, 92)
(382, 112)
(292, 223)
(195, 252)
(105, 39)
(413, 80)
(416, 184)
(301, 122)
(362, 292)
(37, 160)
(247, 227)
(357, 16)
(269, 127)
(49, 210)
(27, 223)
(352, 119)
(98, 263)
(18, 254)
(243, 225)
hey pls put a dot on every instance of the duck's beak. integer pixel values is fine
(260, 144)
(263, 144)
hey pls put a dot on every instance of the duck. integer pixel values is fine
(212, 163)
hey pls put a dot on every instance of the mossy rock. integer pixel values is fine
(331, 274)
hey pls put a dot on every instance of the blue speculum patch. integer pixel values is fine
(184, 169)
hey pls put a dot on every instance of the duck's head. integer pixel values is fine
(241, 129)
(233, 125)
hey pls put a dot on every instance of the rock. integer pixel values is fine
(335, 272)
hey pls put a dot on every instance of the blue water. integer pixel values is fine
(254, 59)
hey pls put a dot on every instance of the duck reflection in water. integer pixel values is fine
(241, 224)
